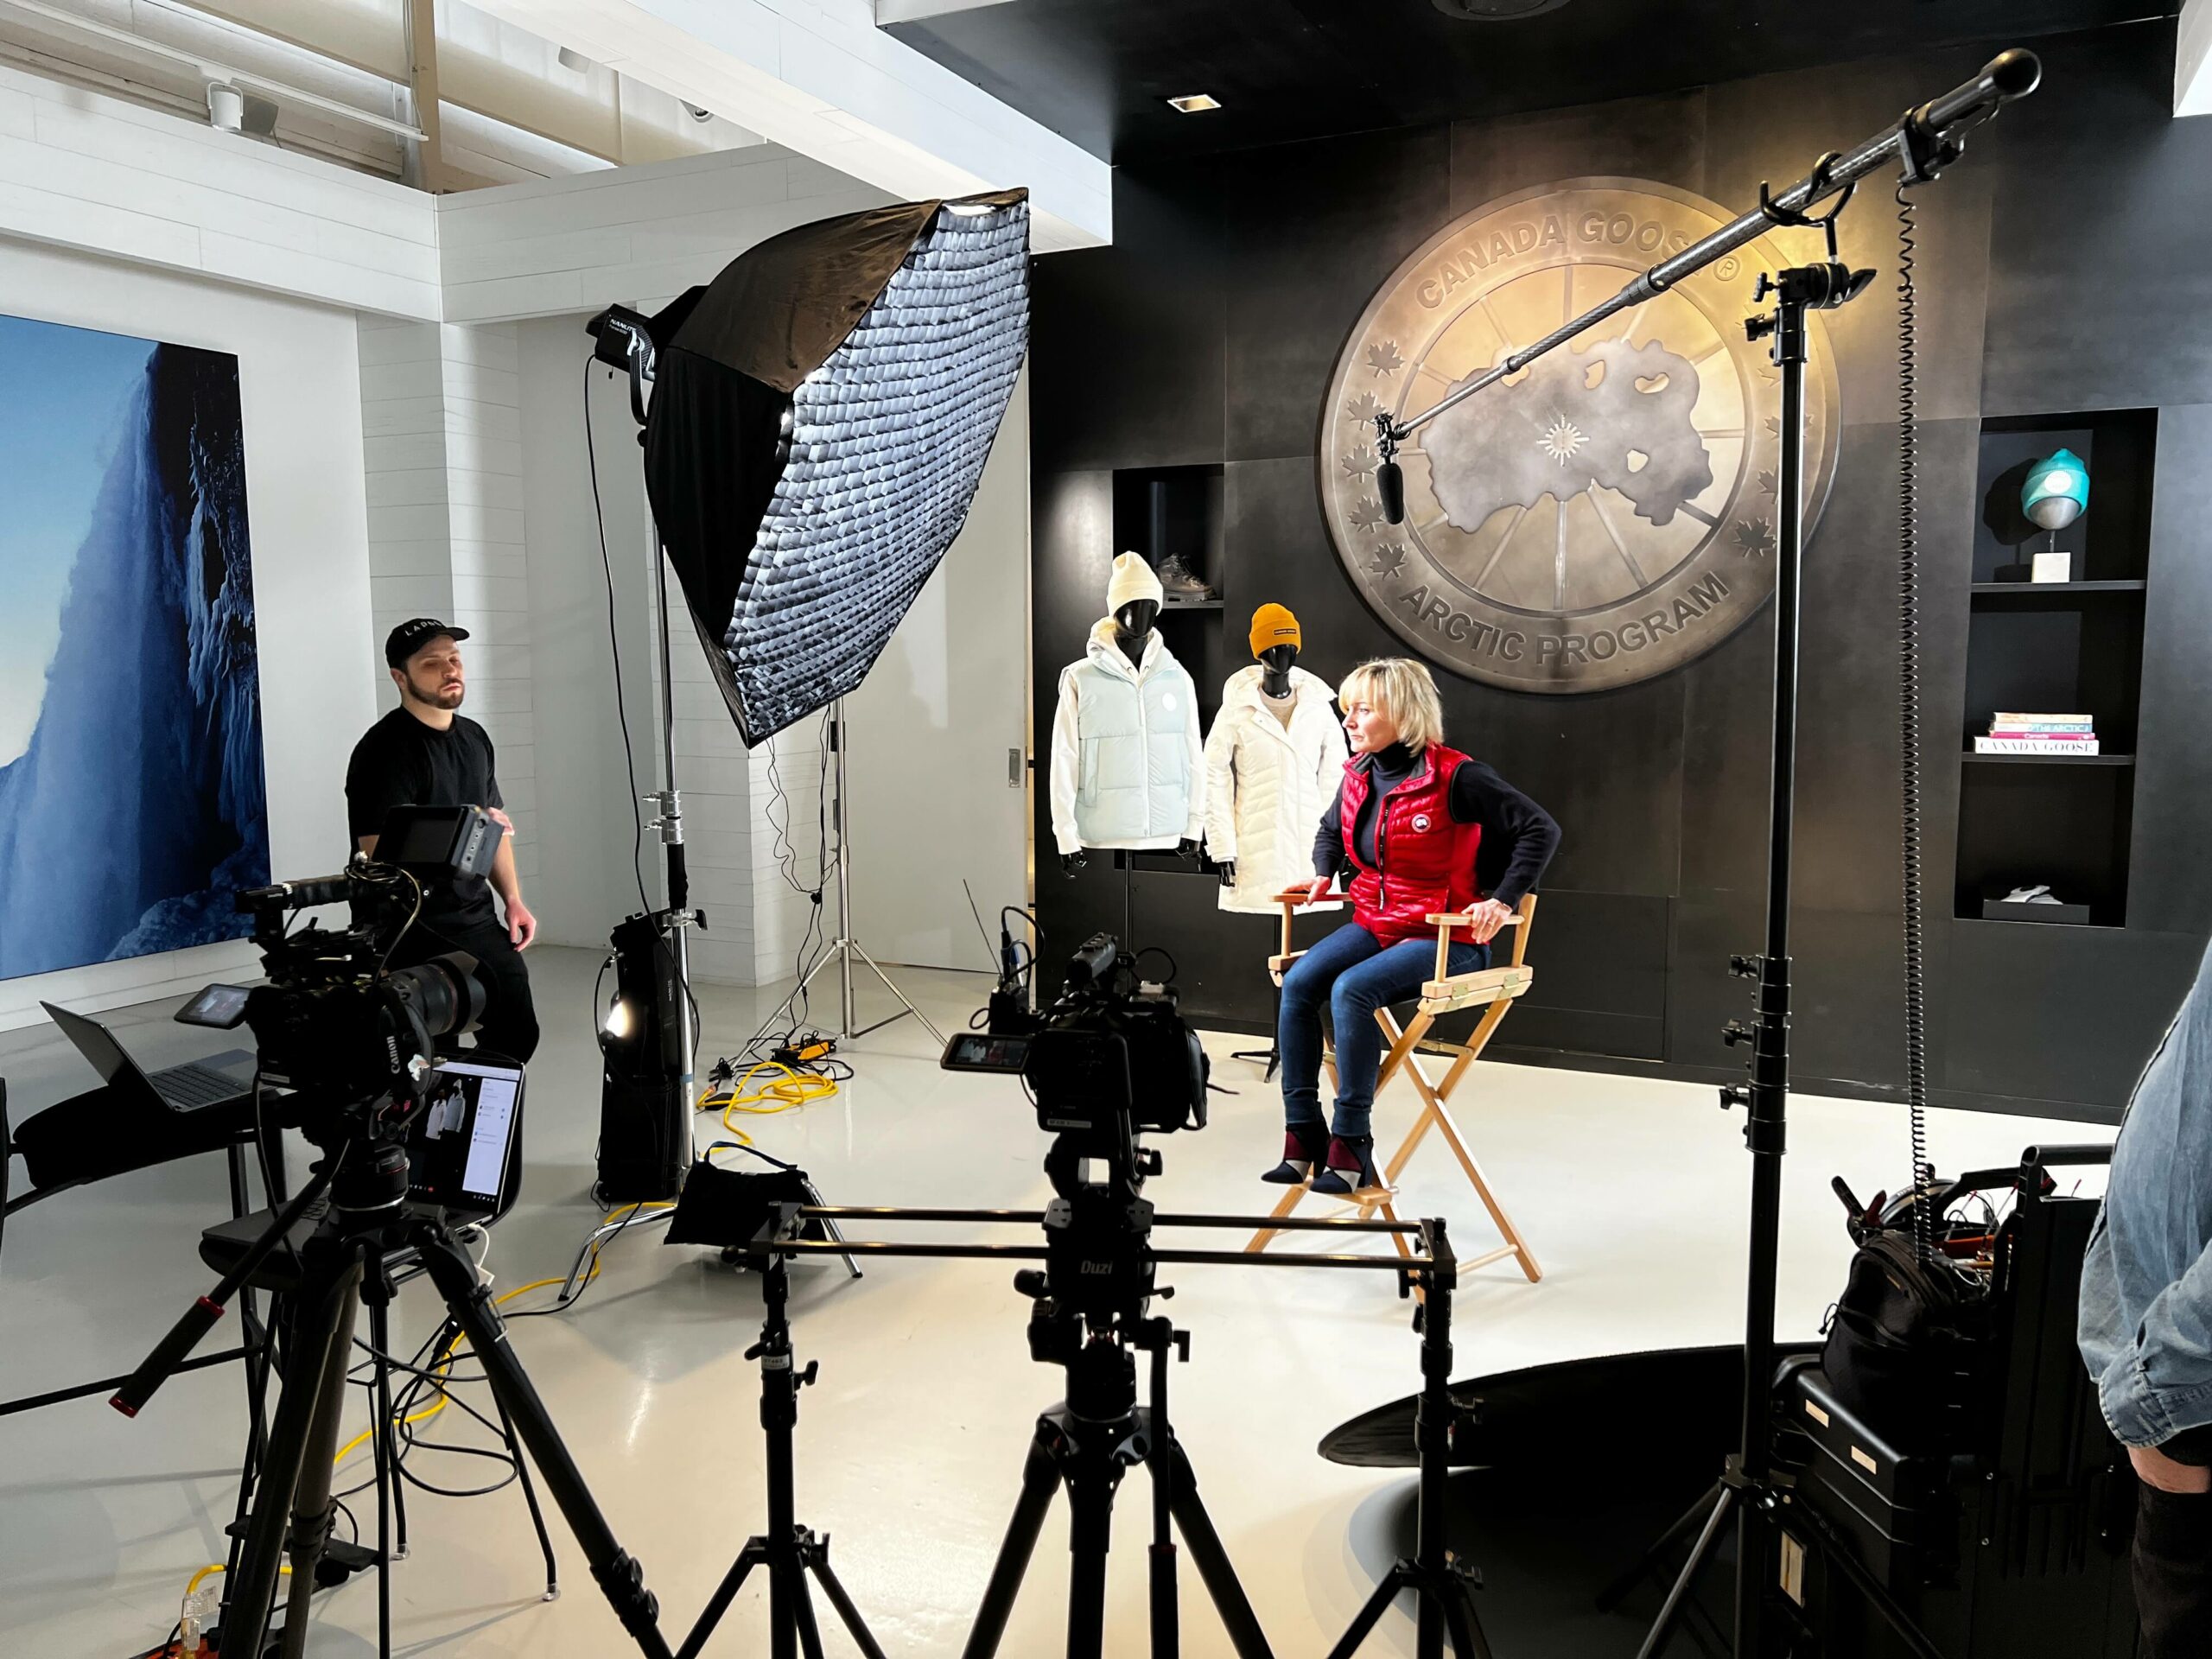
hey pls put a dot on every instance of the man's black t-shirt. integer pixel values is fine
(401, 762)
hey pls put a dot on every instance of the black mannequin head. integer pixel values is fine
(1133, 626)
(1277, 661)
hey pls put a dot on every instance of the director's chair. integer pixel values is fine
(1491, 989)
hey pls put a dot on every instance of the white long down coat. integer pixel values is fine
(1267, 784)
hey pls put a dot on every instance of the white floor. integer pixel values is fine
(1632, 1193)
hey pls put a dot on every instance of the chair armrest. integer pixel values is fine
(1449, 919)
(1476, 989)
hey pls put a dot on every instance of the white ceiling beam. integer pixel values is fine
(2193, 59)
(818, 77)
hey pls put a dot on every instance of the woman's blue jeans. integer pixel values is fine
(1351, 974)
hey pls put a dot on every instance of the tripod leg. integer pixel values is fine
(753, 1554)
(1041, 1476)
(848, 1614)
(316, 1349)
(1369, 1616)
(1664, 1626)
(1090, 1525)
(802, 1606)
(1212, 1562)
(313, 1512)
(1614, 1593)
(384, 1451)
(619, 1577)
(530, 1497)
(1467, 1639)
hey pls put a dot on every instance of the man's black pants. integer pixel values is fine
(509, 1026)
(2173, 1573)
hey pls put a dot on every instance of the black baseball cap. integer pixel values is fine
(409, 637)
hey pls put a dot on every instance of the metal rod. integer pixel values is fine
(1036, 1218)
(671, 835)
(844, 876)
(1037, 1253)
(2005, 77)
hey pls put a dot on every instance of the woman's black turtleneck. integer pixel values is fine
(1519, 837)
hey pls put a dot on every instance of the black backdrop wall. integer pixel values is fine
(2066, 271)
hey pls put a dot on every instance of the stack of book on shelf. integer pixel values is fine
(2038, 734)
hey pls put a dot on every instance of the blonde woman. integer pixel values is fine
(1416, 828)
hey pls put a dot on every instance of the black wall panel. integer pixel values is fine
(2062, 266)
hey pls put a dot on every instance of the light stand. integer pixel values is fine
(845, 947)
(668, 801)
(1925, 141)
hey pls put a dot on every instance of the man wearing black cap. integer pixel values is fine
(423, 753)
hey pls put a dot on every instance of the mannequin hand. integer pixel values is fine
(1187, 848)
(1071, 862)
(1228, 868)
(1489, 916)
(1318, 889)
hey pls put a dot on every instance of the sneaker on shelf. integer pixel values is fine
(1177, 586)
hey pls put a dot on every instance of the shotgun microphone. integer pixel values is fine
(1390, 485)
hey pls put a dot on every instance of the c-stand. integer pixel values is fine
(1922, 143)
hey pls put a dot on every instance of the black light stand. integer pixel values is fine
(1922, 144)
(788, 1550)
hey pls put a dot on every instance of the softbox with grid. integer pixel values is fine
(821, 414)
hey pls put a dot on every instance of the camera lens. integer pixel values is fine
(444, 990)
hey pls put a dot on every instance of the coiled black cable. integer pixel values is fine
(1915, 997)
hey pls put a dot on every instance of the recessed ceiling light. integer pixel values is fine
(1192, 103)
(1495, 11)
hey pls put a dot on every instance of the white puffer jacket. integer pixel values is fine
(1267, 784)
(1127, 767)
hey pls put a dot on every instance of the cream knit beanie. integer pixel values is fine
(1132, 579)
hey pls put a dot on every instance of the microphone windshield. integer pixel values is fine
(1390, 485)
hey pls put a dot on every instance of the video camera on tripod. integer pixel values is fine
(1110, 1060)
(334, 1023)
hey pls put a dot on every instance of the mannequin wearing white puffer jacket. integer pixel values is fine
(1127, 767)
(1267, 783)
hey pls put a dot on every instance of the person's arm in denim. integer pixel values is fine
(2162, 1384)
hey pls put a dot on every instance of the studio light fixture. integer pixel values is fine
(1192, 103)
(820, 416)
(1495, 11)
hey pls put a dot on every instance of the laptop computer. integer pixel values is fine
(215, 1081)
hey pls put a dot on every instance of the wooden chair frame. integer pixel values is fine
(1494, 990)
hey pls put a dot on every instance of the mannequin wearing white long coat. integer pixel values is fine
(1268, 784)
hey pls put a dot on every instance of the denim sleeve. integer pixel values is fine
(2161, 1383)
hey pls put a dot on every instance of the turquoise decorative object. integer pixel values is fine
(2056, 491)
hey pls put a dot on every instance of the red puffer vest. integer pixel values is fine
(1427, 860)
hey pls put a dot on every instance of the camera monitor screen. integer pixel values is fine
(461, 1143)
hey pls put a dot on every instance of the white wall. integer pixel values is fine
(81, 169)
(583, 886)
(932, 728)
(299, 385)
(576, 243)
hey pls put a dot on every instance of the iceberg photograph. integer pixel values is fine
(132, 799)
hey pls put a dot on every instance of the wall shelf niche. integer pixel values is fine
(2072, 647)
